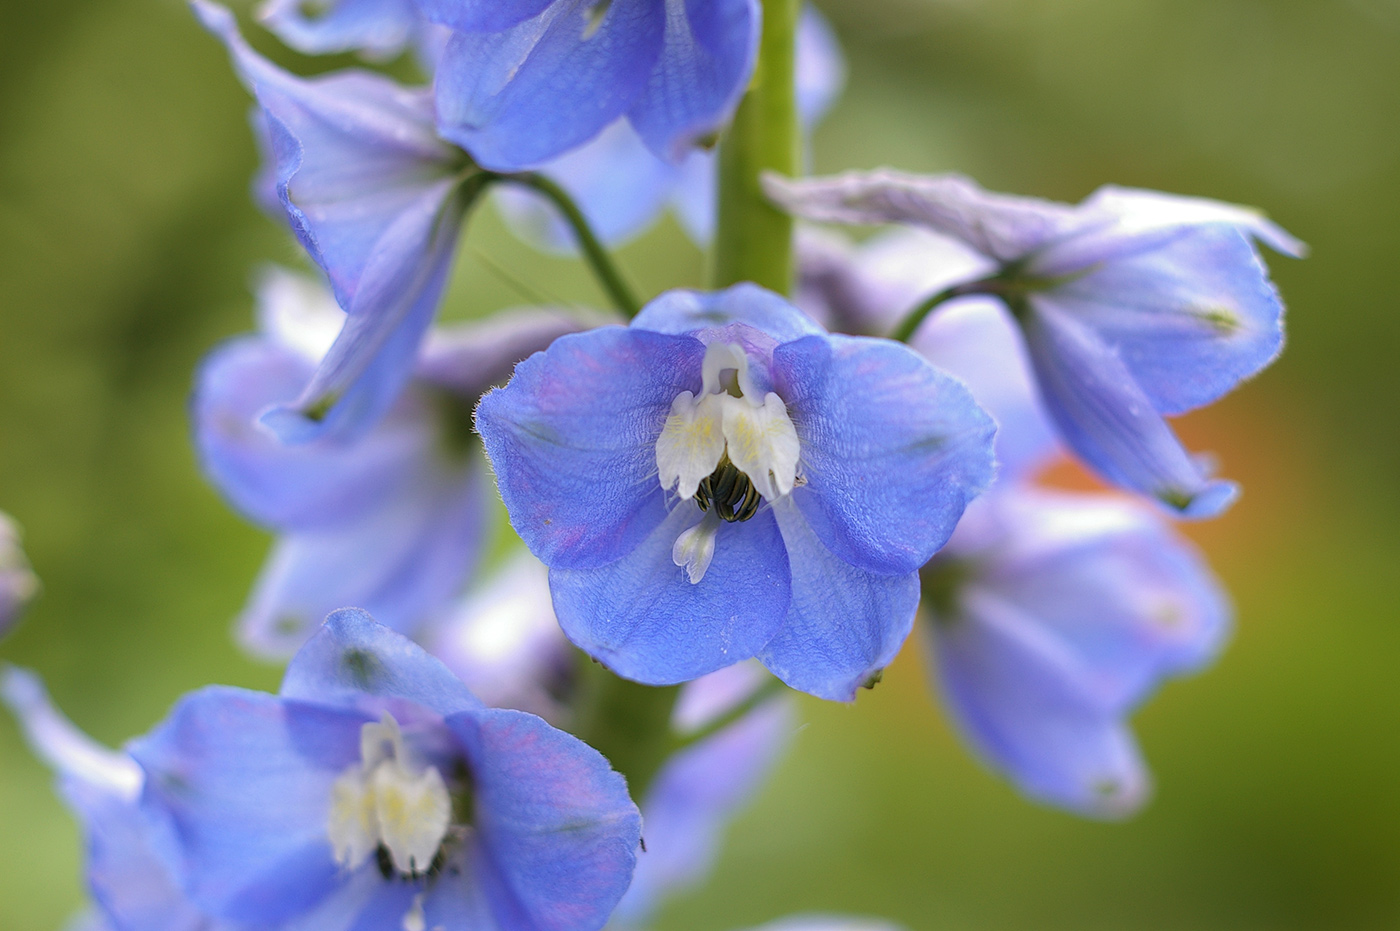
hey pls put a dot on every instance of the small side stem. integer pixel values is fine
(753, 239)
(598, 259)
(768, 690)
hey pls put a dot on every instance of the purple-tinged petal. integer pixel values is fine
(558, 832)
(1016, 693)
(516, 99)
(892, 449)
(246, 780)
(361, 901)
(821, 67)
(18, 584)
(691, 802)
(642, 617)
(1190, 318)
(469, 358)
(369, 190)
(379, 28)
(704, 313)
(704, 700)
(693, 196)
(1105, 417)
(482, 15)
(573, 440)
(999, 226)
(844, 625)
(355, 662)
(400, 561)
(1141, 210)
(706, 59)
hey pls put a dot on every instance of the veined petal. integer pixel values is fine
(401, 561)
(844, 623)
(482, 15)
(762, 443)
(1104, 416)
(892, 449)
(355, 662)
(643, 618)
(573, 440)
(246, 779)
(1139, 210)
(469, 358)
(691, 443)
(558, 833)
(707, 57)
(517, 98)
(704, 313)
(379, 28)
(1017, 696)
(1190, 319)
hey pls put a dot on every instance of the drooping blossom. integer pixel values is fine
(723, 479)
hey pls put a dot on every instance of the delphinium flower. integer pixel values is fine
(622, 186)
(377, 199)
(376, 791)
(129, 879)
(392, 520)
(1133, 305)
(505, 643)
(723, 479)
(18, 584)
(523, 81)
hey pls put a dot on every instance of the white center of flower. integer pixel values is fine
(728, 447)
(387, 802)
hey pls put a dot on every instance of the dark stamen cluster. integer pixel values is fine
(729, 492)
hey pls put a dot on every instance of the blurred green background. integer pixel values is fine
(127, 242)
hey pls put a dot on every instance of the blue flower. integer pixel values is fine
(524, 81)
(379, 28)
(622, 186)
(505, 644)
(377, 200)
(391, 521)
(376, 791)
(1053, 616)
(18, 584)
(723, 479)
(128, 869)
(1133, 305)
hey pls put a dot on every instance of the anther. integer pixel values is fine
(729, 492)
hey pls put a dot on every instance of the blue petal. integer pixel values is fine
(821, 68)
(1190, 318)
(1104, 416)
(518, 98)
(401, 561)
(701, 312)
(573, 440)
(1132, 601)
(844, 625)
(642, 617)
(368, 188)
(692, 801)
(706, 60)
(558, 832)
(892, 449)
(285, 487)
(1017, 695)
(482, 15)
(380, 28)
(246, 779)
(362, 902)
(355, 662)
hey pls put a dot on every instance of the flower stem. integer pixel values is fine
(753, 241)
(604, 269)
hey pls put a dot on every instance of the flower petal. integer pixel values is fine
(706, 59)
(379, 28)
(516, 99)
(558, 832)
(246, 779)
(573, 440)
(892, 449)
(642, 617)
(844, 624)
(703, 313)
(1104, 416)
(1190, 319)
(355, 662)
(1140, 210)
(482, 15)
(1016, 695)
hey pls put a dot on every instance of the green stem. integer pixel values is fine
(765, 692)
(604, 269)
(910, 324)
(628, 723)
(753, 241)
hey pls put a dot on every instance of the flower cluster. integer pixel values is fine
(726, 495)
